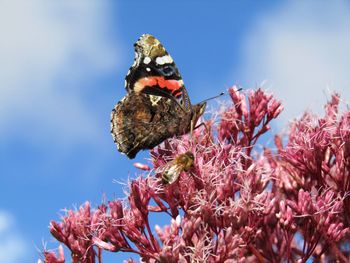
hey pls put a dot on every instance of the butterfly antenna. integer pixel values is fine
(211, 98)
(217, 96)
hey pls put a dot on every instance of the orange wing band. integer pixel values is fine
(173, 85)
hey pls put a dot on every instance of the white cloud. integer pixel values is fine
(48, 50)
(302, 49)
(13, 247)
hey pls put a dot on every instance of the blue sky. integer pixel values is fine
(62, 68)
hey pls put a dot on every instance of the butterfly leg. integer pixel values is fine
(195, 127)
(201, 124)
(206, 128)
(192, 129)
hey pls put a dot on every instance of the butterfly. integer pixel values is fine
(173, 169)
(157, 105)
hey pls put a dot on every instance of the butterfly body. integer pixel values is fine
(156, 106)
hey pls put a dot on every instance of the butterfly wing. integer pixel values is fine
(154, 71)
(138, 122)
(157, 105)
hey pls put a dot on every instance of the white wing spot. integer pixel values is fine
(159, 60)
(148, 69)
(164, 60)
(147, 60)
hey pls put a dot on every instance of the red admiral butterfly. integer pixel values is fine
(156, 106)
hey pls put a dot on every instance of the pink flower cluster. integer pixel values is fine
(236, 203)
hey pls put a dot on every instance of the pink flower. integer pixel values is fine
(51, 257)
(237, 202)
